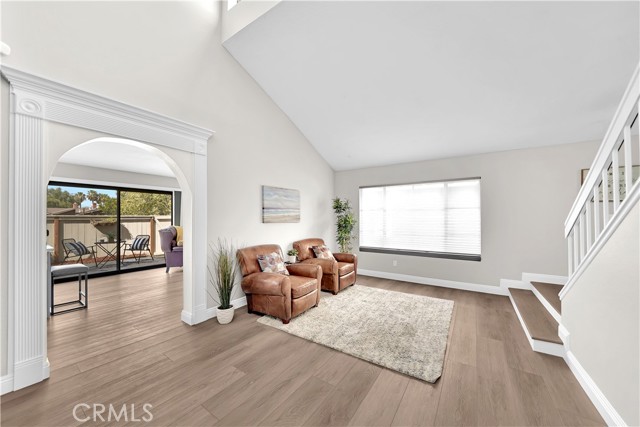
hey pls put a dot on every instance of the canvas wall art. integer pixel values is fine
(280, 205)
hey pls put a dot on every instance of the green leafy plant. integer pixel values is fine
(223, 272)
(292, 252)
(345, 223)
(111, 235)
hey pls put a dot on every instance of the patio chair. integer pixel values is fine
(73, 249)
(169, 245)
(140, 244)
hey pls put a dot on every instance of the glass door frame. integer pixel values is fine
(118, 190)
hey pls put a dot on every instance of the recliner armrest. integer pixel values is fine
(342, 257)
(266, 284)
(329, 266)
(306, 270)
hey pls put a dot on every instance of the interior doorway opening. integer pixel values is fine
(48, 119)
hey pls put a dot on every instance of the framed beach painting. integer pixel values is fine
(280, 205)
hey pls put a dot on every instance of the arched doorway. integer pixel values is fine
(48, 119)
(103, 164)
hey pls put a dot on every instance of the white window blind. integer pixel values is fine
(430, 218)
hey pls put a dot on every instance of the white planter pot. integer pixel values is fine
(225, 316)
(292, 259)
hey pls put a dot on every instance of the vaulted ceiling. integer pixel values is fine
(379, 82)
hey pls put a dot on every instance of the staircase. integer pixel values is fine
(537, 305)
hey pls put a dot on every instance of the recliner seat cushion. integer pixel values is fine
(301, 286)
(344, 268)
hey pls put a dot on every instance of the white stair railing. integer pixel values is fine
(609, 190)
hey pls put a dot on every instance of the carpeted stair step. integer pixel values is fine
(540, 324)
(550, 292)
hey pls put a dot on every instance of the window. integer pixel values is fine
(438, 219)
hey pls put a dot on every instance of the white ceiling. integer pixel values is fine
(375, 83)
(113, 154)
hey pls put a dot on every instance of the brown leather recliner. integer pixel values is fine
(337, 273)
(276, 294)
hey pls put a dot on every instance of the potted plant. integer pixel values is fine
(345, 223)
(111, 236)
(292, 253)
(223, 277)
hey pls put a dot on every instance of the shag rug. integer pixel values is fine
(404, 332)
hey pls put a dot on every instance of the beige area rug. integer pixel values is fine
(404, 332)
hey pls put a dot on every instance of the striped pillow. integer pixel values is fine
(78, 248)
(140, 243)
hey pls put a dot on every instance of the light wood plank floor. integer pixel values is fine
(130, 347)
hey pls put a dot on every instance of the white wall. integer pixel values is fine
(602, 314)
(92, 175)
(4, 211)
(167, 57)
(526, 196)
(243, 14)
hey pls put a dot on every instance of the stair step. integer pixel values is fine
(540, 324)
(550, 292)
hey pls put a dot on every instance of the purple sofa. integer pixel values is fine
(172, 252)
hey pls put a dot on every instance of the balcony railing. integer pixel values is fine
(610, 189)
(89, 229)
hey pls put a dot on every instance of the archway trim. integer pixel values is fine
(34, 101)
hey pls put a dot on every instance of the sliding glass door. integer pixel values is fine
(142, 214)
(109, 229)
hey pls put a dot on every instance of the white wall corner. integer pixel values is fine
(6, 384)
(599, 400)
(464, 286)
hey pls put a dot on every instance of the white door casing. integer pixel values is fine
(35, 101)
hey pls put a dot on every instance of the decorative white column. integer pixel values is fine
(200, 235)
(27, 240)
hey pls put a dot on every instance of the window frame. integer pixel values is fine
(413, 252)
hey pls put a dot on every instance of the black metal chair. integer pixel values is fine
(140, 244)
(73, 249)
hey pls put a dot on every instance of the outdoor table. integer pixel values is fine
(109, 251)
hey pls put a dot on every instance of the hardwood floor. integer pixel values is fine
(130, 347)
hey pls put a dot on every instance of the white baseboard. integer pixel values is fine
(514, 284)
(545, 278)
(210, 312)
(6, 384)
(28, 372)
(602, 404)
(187, 317)
(473, 287)
(564, 335)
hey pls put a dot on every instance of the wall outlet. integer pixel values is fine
(395, 263)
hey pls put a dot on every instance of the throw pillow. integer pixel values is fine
(322, 252)
(272, 263)
(179, 233)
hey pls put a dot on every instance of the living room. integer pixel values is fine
(522, 109)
